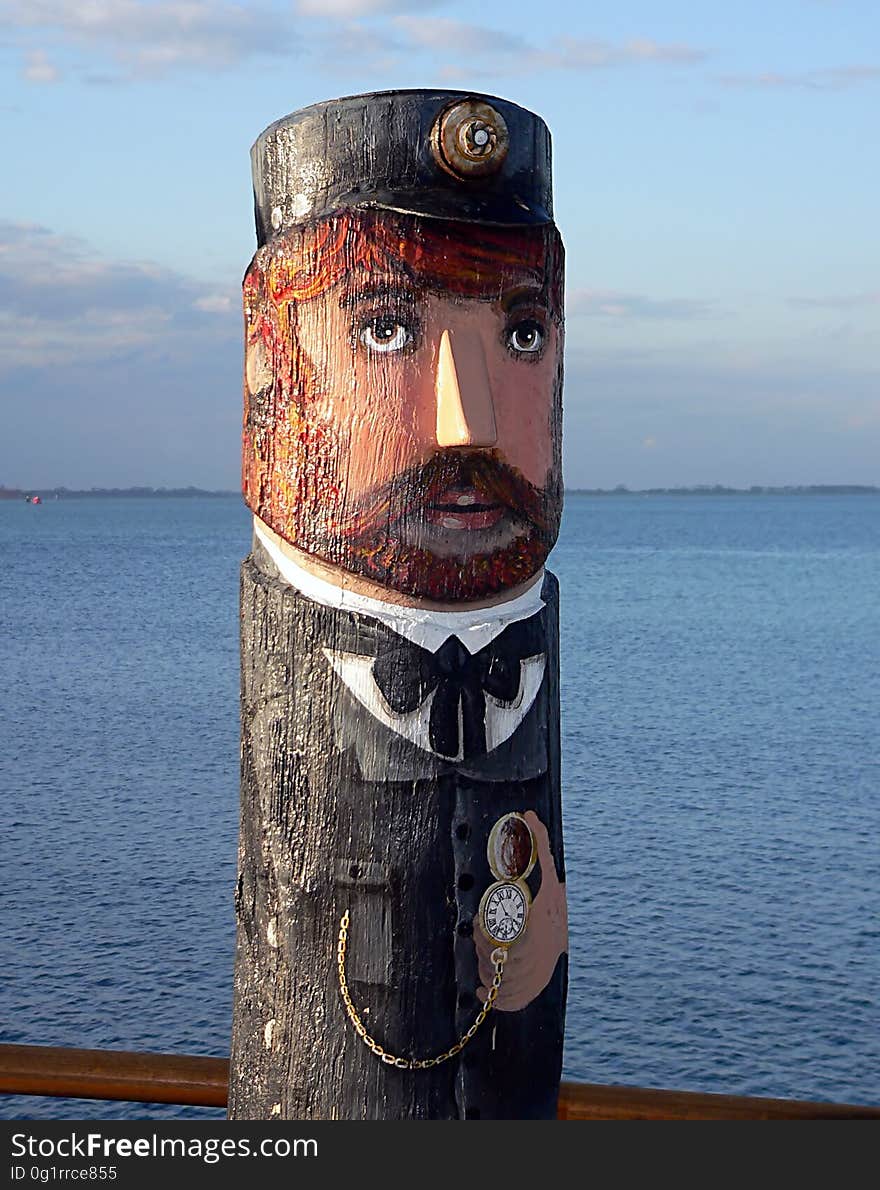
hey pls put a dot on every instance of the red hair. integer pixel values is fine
(473, 260)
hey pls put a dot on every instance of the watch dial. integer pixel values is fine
(504, 913)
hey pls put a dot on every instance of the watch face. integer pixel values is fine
(503, 912)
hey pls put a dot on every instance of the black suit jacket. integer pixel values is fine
(359, 818)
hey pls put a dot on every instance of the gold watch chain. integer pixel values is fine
(498, 957)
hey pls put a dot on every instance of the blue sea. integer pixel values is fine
(720, 723)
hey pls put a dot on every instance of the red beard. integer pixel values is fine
(415, 571)
(379, 539)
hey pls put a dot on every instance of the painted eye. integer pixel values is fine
(385, 334)
(527, 337)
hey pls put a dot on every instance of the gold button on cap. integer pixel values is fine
(470, 139)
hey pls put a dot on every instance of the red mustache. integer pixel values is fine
(408, 494)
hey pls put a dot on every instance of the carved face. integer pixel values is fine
(402, 412)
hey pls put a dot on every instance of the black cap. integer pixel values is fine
(442, 154)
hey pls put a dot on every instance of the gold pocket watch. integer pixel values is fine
(504, 906)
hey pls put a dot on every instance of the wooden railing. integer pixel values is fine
(202, 1082)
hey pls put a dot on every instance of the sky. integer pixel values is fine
(716, 184)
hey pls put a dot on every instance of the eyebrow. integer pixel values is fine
(378, 292)
(356, 294)
(523, 296)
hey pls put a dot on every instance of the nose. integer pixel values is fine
(465, 412)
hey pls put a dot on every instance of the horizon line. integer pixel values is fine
(145, 490)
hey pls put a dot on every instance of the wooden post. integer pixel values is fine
(402, 947)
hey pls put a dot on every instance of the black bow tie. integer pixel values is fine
(406, 674)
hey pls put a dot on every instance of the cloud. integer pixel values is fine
(38, 68)
(770, 421)
(373, 47)
(442, 33)
(347, 9)
(153, 38)
(116, 372)
(62, 303)
(837, 78)
(455, 48)
(855, 301)
(510, 52)
(215, 303)
(150, 39)
(580, 53)
(609, 303)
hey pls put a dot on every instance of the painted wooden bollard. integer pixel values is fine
(402, 947)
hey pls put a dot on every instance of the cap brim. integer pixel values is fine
(502, 209)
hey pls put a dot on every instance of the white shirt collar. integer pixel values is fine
(475, 628)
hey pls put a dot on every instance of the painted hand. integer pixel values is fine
(531, 961)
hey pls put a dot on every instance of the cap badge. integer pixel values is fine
(470, 139)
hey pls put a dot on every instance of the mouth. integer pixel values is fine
(462, 508)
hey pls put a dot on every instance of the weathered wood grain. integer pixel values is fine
(407, 858)
(401, 443)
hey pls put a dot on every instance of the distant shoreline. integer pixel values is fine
(815, 489)
(700, 490)
(108, 493)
